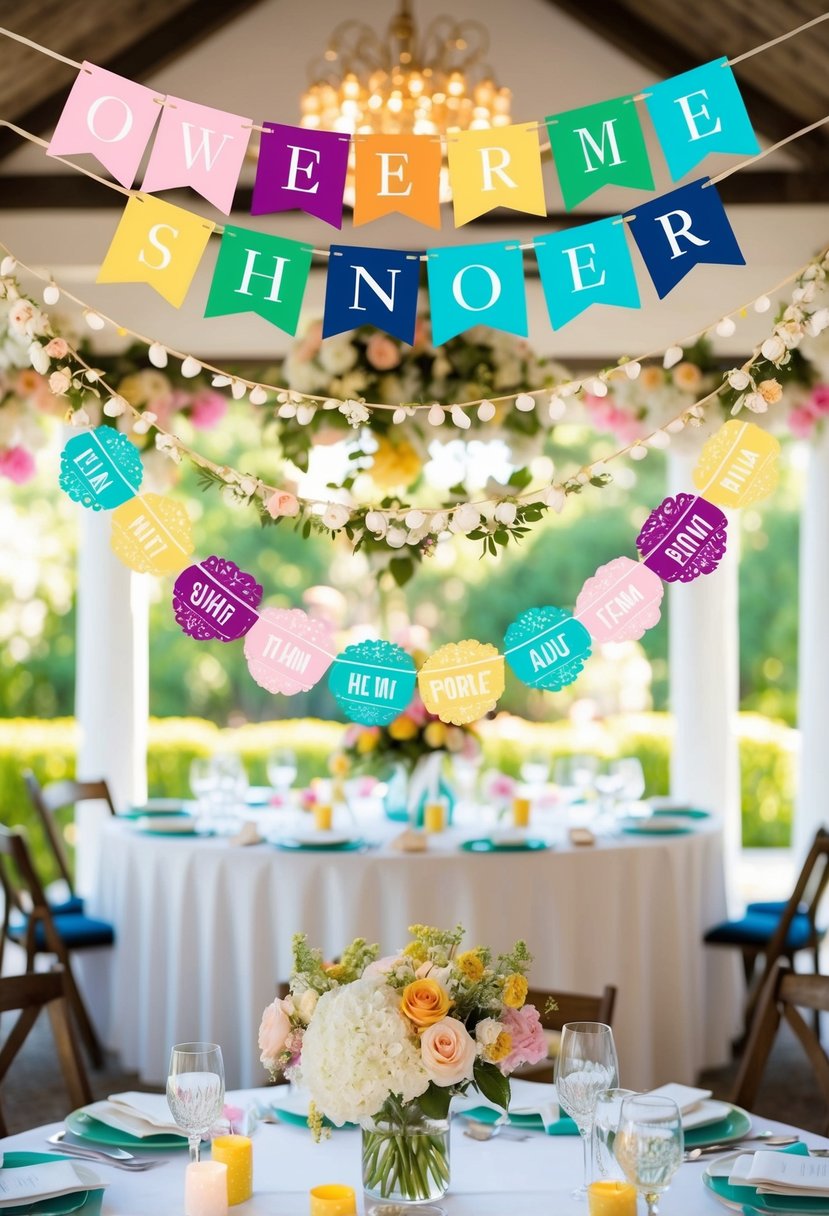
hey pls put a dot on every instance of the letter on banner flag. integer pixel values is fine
(216, 601)
(699, 112)
(156, 243)
(620, 602)
(682, 229)
(683, 538)
(259, 273)
(199, 147)
(397, 173)
(495, 168)
(110, 117)
(301, 170)
(152, 534)
(599, 145)
(287, 651)
(373, 682)
(462, 681)
(371, 287)
(738, 465)
(476, 285)
(583, 266)
(100, 468)
(547, 648)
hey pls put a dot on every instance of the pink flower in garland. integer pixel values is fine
(817, 402)
(801, 422)
(207, 409)
(18, 464)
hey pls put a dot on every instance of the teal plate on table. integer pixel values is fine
(85, 1127)
(85, 1203)
(733, 1127)
(740, 1198)
(681, 812)
(485, 845)
(307, 846)
(645, 829)
(487, 1114)
(296, 1119)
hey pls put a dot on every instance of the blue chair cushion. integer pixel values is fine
(757, 929)
(75, 931)
(776, 907)
(71, 906)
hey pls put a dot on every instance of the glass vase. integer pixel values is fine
(405, 1155)
(408, 790)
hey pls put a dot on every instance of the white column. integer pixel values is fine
(111, 682)
(704, 680)
(813, 649)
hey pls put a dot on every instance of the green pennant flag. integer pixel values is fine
(597, 146)
(256, 272)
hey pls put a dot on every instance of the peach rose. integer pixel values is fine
(382, 353)
(273, 1032)
(425, 1002)
(282, 503)
(57, 348)
(448, 1052)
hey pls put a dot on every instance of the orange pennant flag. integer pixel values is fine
(397, 173)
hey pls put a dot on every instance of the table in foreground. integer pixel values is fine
(500, 1177)
(203, 934)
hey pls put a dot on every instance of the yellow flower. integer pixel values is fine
(395, 464)
(687, 376)
(424, 1002)
(470, 965)
(403, 728)
(435, 734)
(339, 764)
(500, 1049)
(416, 951)
(515, 991)
(770, 390)
(651, 378)
(367, 741)
(335, 971)
(143, 387)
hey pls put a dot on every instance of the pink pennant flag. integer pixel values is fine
(109, 116)
(199, 147)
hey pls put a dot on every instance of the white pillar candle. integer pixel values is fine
(205, 1189)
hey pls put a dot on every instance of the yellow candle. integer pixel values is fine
(434, 819)
(611, 1199)
(237, 1154)
(323, 817)
(333, 1200)
(521, 812)
(205, 1189)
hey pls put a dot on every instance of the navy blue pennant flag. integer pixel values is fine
(371, 287)
(679, 230)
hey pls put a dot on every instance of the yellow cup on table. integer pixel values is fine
(237, 1154)
(333, 1200)
(611, 1199)
(521, 812)
(323, 817)
(434, 816)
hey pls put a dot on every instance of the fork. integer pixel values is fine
(117, 1156)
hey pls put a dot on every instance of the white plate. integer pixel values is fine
(173, 825)
(317, 838)
(508, 836)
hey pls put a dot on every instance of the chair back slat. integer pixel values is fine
(573, 1007)
(48, 800)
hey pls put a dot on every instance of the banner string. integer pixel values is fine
(566, 388)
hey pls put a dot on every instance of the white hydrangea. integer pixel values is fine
(358, 1050)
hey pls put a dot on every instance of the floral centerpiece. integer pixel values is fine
(388, 1042)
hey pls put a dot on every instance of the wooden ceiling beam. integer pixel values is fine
(166, 42)
(614, 23)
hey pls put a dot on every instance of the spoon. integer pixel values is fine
(762, 1138)
(488, 1131)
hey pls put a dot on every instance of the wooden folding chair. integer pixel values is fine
(30, 923)
(29, 994)
(784, 994)
(47, 801)
(571, 1007)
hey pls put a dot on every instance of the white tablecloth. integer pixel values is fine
(495, 1178)
(204, 932)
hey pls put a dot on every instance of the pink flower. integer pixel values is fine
(274, 1031)
(418, 713)
(207, 409)
(529, 1044)
(381, 966)
(18, 465)
(818, 401)
(448, 1052)
(500, 787)
(305, 350)
(382, 353)
(57, 348)
(801, 422)
(282, 503)
(422, 333)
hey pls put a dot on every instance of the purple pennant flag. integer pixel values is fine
(301, 170)
(683, 538)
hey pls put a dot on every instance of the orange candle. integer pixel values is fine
(237, 1154)
(434, 817)
(611, 1199)
(323, 817)
(521, 812)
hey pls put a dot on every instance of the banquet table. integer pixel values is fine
(203, 932)
(501, 1177)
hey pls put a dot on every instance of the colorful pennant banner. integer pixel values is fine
(546, 647)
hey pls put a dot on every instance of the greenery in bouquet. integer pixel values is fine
(408, 738)
(386, 1042)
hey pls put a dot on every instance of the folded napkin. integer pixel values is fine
(248, 834)
(544, 1117)
(774, 1173)
(410, 841)
(136, 1114)
(27, 1184)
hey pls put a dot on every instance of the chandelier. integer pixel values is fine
(429, 84)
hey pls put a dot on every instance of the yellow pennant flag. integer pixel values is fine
(500, 167)
(159, 244)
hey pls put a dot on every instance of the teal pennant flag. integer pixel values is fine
(476, 285)
(590, 264)
(599, 145)
(259, 273)
(700, 112)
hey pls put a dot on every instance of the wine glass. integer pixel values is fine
(585, 1067)
(576, 775)
(631, 778)
(605, 1123)
(196, 1090)
(204, 784)
(649, 1145)
(535, 770)
(282, 770)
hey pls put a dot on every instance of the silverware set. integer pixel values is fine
(762, 1138)
(117, 1157)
